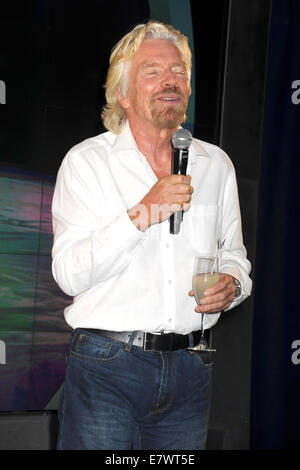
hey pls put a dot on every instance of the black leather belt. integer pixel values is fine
(152, 342)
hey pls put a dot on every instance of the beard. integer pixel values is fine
(168, 116)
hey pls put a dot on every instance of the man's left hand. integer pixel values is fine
(217, 297)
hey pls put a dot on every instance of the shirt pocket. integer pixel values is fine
(202, 229)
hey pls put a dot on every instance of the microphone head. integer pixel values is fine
(182, 139)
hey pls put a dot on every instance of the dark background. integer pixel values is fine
(54, 57)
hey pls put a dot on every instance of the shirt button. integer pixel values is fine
(168, 245)
(170, 281)
(170, 320)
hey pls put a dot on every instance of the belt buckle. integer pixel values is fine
(155, 349)
(145, 341)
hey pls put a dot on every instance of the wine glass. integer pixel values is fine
(205, 275)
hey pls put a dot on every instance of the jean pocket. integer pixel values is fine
(95, 348)
(203, 358)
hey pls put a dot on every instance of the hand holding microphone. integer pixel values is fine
(170, 195)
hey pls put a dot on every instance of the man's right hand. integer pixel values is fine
(169, 194)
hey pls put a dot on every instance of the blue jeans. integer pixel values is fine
(120, 397)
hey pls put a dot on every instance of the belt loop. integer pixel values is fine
(191, 340)
(130, 342)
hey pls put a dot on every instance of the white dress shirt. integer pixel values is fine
(121, 278)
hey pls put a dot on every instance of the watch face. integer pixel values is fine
(238, 288)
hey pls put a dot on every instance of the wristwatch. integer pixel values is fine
(238, 288)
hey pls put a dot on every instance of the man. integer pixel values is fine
(131, 381)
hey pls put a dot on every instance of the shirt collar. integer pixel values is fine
(197, 150)
(125, 140)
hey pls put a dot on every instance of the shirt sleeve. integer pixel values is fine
(86, 249)
(233, 253)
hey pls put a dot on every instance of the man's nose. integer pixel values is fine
(169, 78)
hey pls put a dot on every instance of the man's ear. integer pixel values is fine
(123, 101)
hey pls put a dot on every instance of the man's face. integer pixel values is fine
(158, 85)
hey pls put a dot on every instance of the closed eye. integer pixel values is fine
(179, 71)
(152, 72)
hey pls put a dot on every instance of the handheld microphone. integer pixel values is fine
(181, 141)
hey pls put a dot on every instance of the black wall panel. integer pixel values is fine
(240, 137)
(210, 27)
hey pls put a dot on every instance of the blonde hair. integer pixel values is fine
(113, 115)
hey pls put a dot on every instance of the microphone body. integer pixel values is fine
(181, 141)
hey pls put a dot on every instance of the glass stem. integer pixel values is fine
(202, 325)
